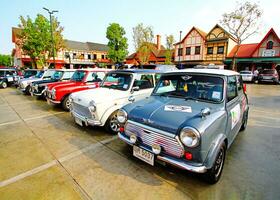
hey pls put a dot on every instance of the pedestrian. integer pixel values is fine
(256, 74)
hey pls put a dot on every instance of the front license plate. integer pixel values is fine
(78, 121)
(143, 155)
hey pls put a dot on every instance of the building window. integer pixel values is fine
(180, 51)
(269, 45)
(220, 50)
(89, 56)
(197, 50)
(103, 56)
(210, 50)
(94, 56)
(82, 56)
(188, 50)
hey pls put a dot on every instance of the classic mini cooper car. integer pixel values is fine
(99, 107)
(28, 73)
(8, 76)
(82, 79)
(25, 84)
(38, 88)
(189, 121)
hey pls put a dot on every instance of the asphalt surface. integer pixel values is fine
(45, 155)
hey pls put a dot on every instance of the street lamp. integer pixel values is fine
(180, 50)
(50, 13)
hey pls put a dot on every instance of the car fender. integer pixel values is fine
(214, 149)
(107, 113)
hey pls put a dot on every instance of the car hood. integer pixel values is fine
(29, 80)
(60, 85)
(98, 95)
(170, 114)
(44, 82)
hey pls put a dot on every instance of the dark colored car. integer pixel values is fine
(8, 76)
(38, 88)
(268, 75)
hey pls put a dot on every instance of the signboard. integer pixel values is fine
(268, 53)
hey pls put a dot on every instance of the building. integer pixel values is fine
(190, 51)
(262, 55)
(200, 48)
(75, 55)
(157, 54)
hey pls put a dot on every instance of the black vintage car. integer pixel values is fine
(8, 76)
(39, 87)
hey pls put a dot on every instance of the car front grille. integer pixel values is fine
(170, 145)
(81, 110)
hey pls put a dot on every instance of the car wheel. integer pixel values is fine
(245, 121)
(66, 103)
(213, 174)
(27, 90)
(112, 125)
(4, 85)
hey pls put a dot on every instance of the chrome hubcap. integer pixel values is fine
(4, 85)
(114, 125)
(67, 103)
(219, 163)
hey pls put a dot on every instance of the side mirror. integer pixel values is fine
(136, 88)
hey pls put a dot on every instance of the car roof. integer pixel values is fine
(222, 72)
(95, 69)
(6, 69)
(142, 71)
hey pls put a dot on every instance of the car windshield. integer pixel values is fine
(29, 73)
(245, 72)
(119, 81)
(49, 73)
(78, 76)
(57, 75)
(191, 86)
(39, 74)
(271, 71)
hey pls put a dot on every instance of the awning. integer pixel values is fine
(256, 60)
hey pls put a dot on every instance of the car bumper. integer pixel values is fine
(51, 101)
(247, 78)
(85, 120)
(168, 159)
(39, 93)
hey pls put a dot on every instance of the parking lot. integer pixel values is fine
(45, 155)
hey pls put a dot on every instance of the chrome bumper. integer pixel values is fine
(85, 120)
(53, 101)
(39, 94)
(170, 160)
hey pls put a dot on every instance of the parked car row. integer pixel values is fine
(266, 75)
(185, 118)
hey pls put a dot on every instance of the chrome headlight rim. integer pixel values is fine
(121, 116)
(92, 106)
(193, 136)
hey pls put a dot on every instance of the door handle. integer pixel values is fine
(131, 98)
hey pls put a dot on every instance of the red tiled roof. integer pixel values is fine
(244, 51)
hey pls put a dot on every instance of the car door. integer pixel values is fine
(144, 84)
(233, 107)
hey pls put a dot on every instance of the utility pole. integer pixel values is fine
(180, 51)
(53, 49)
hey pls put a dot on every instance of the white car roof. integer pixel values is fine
(207, 71)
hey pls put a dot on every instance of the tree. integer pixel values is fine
(35, 39)
(117, 43)
(243, 22)
(169, 49)
(5, 60)
(143, 38)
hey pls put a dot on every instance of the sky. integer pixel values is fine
(87, 20)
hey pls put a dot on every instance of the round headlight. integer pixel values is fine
(121, 116)
(92, 106)
(190, 137)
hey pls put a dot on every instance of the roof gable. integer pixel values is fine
(199, 31)
(271, 31)
(218, 32)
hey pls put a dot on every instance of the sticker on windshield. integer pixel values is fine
(125, 86)
(175, 108)
(235, 115)
(186, 87)
(216, 95)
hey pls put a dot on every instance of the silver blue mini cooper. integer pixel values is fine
(189, 121)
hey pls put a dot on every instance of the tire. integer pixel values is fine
(27, 90)
(4, 84)
(112, 124)
(66, 104)
(213, 174)
(245, 121)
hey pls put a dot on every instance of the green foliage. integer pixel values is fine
(5, 60)
(117, 43)
(242, 23)
(169, 49)
(143, 38)
(36, 41)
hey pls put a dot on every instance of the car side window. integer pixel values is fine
(67, 75)
(239, 84)
(231, 88)
(100, 75)
(93, 77)
(144, 81)
(2, 73)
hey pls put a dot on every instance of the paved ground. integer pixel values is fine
(44, 155)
